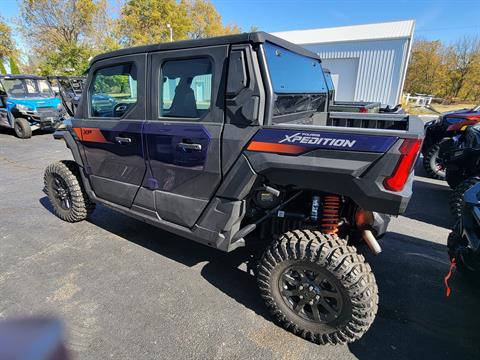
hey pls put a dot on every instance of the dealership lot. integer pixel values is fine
(126, 290)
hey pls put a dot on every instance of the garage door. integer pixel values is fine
(344, 76)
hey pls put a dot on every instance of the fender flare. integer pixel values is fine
(71, 144)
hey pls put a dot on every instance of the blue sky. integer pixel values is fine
(446, 20)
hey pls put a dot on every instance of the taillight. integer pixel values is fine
(363, 110)
(461, 125)
(408, 154)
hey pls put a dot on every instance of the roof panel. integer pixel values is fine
(254, 38)
(378, 31)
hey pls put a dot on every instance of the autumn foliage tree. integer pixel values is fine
(206, 21)
(63, 34)
(451, 72)
(147, 22)
(7, 46)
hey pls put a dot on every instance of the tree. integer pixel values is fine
(206, 21)
(451, 72)
(64, 34)
(462, 58)
(425, 72)
(145, 22)
(13, 66)
(7, 45)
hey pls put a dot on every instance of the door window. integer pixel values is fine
(113, 91)
(186, 88)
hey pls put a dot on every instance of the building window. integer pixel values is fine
(187, 88)
(113, 91)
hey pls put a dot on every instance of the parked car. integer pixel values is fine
(448, 125)
(69, 89)
(464, 241)
(27, 103)
(224, 157)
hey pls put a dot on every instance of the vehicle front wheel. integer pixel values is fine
(65, 191)
(432, 164)
(22, 128)
(318, 287)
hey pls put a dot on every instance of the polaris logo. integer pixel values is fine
(316, 139)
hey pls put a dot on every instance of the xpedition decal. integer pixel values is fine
(299, 142)
(313, 139)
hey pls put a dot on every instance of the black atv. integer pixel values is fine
(464, 240)
(447, 126)
(229, 142)
(462, 161)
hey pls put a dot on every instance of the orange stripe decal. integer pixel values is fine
(275, 148)
(90, 135)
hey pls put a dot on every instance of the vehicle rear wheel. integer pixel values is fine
(456, 198)
(318, 287)
(22, 128)
(65, 191)
(432, 164)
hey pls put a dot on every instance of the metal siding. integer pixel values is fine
(380, 69)
(378, 31)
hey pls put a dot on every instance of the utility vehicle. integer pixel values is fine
(28, 103)
(227, 141)
(446, 126)
(464, 240)
(462, 162)
(69, 89)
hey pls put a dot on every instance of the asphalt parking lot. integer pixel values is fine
(126, 290)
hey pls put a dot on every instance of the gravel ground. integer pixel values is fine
(126, 290)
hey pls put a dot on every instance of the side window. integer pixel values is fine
(113, 91)
(186, 88)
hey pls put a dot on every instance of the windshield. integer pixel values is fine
(292, 73)
(28, 88)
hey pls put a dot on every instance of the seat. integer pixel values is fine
(184, 104)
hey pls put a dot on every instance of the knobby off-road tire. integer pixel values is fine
(453, 242)
(430, 163)
(331, 278)
(456, 198)
(22, 128)
(65, 191)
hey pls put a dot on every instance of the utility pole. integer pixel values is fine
(171, 32)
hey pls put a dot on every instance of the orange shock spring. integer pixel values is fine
(330, 214)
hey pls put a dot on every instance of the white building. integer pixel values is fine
(367, 62)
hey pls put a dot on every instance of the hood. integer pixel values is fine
(461, 112)
(34, 103)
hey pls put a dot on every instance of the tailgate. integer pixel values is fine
(345, 160)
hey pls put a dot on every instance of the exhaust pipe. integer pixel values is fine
(371, 242)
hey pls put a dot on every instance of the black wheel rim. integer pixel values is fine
(437, 165)
(18, 129)
(61, 193)
(311, 293)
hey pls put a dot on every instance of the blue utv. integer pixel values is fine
(28, 103)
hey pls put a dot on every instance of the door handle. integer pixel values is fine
(123, 140)
(187, 146)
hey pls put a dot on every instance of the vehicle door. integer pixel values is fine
(109, 126)
(183, 133)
